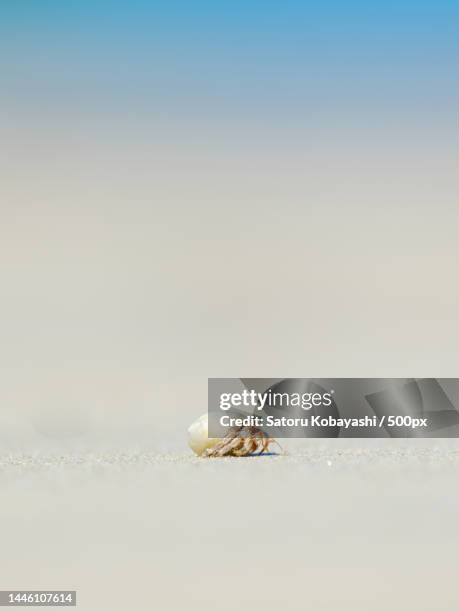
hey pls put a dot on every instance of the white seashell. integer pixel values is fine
(198, 436)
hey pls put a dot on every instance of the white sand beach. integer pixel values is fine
(332, 525)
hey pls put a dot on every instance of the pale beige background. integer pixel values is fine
(137, 262)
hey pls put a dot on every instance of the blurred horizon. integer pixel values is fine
(191, 190)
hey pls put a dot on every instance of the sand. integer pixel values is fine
(328, 526)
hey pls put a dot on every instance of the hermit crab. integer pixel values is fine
(238, 442)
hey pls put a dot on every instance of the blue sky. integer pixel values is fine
(295, 62)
